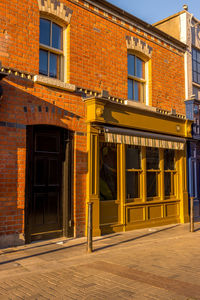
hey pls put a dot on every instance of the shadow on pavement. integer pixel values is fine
(84, 243)
(135, 238)
(35, 246)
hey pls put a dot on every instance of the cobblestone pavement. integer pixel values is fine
(156, 263)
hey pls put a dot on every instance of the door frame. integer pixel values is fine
(66, 186)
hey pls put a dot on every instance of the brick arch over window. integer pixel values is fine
(56, 9)
(139, 47)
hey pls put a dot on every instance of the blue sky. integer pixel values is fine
(152, 11)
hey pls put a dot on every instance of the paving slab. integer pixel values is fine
(156, 263)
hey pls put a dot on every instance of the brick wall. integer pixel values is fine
(19, 34)
(98, 60)
(12, 179)
(99, 57)
(25, 103)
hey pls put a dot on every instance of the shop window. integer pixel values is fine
(133, 171)
(51, 49)
(153, 171)
(136, 78)
(169, 172)
(108, 171)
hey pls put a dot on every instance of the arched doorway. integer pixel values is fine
(48, 188)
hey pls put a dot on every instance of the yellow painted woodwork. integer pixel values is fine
(133, 117)
(162, 184)
(93, 176)
(144, 176)
(105, 208)
(117, 215)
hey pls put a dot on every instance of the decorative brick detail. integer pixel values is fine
(133, 43)
(15, 72)
(54, 83)
(56, 8)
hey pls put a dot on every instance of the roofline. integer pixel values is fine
(120, 13)
(169, 18)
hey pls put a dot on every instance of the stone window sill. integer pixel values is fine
(52, 82)
(139, 105)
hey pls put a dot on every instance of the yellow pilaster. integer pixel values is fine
(162, 183)
(183, 188)
(143, 190)
(123, 183)
(144, 175)
(93, 177)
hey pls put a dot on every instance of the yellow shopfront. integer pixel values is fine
(137, 166)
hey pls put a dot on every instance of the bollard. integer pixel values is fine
(89, 228)
(192, 214)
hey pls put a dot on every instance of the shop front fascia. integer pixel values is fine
(136, 165)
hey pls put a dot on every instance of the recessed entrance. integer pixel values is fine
(47, 194)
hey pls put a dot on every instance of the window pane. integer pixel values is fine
(152, 158)
(139, 68)
(132, 157)
(132, 185)
(194, 54)
(141, 92)
(194, 66)
(194, 76)
(130, 89)
(198, 56)
(54, 64)
(152, 184)
(198, 68)
(56, 36)
(136, 91)
(43, 68)
(108, 172)
(195, 92)
(198, 79)
(131, 64)
(45, 26)
(169, 159)
(167, 184)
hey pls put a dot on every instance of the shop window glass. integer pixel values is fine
(169, 172)
(133, 170)
(152, 164)
(108, 171)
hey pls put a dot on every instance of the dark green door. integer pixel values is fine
(46, 157)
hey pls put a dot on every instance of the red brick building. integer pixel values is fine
(53, 55)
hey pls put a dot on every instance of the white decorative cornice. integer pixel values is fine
(133, 43)
(56, 8)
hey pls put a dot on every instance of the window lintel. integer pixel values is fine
(139, 48)
(55, 10)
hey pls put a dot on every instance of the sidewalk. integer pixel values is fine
(155, 263)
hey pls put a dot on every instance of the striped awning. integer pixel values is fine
(133, 137)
